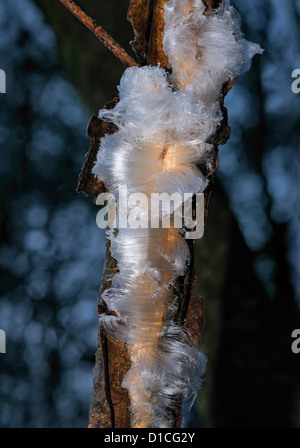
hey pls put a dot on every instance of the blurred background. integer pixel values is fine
(51, 252)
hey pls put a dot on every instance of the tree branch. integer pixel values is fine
(100, 33)
(110, 404)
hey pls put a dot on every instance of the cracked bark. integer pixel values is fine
(110, 404)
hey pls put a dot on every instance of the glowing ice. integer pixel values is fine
(165, 125)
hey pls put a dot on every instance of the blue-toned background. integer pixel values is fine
(51, 253)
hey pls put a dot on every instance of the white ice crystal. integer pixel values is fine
(165, 125)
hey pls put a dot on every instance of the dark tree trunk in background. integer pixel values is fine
(256, 375)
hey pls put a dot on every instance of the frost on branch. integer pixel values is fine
(205, 50)
(165, 127)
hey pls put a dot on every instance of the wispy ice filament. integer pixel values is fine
(165, 125)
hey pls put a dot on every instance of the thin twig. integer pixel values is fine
(99, 32)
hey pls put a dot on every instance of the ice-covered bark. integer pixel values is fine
(168, 131)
